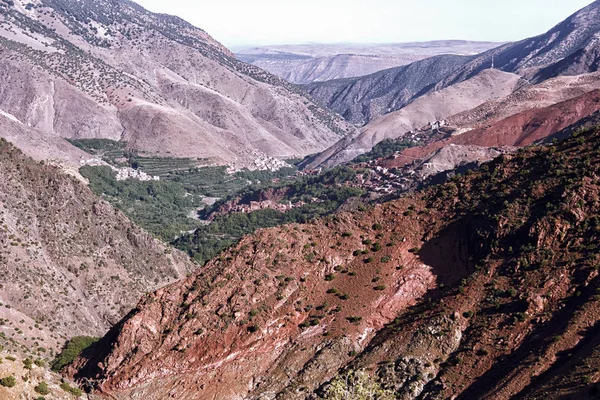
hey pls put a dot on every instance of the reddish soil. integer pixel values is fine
(521, 129)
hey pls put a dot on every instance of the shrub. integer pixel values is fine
(73, 348)
(354, 319)
(482, 352)
(42, 388)
(70, 389)
(8, 381)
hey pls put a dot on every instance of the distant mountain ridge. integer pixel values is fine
(569, 48)
(304, 64)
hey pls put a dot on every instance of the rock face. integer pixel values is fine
(303, 64)
(110, 69)
(271, 315)
(500, 264)
(435, 106)
(70, 264)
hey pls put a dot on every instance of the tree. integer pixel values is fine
(42, 388)
(357, 385)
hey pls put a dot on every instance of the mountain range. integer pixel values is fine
(178, 223)
(304, 64)
(282, 313)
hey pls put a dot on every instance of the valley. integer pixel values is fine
(323, 221)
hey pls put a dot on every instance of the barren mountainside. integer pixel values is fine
(487, 86)
(522, 129)
(570, 48)
(110, 69)
(362, 99)
(505, 95)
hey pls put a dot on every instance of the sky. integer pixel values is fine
(241, 23)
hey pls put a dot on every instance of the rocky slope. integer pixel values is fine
(528, 97)
(161, 84)
(275, 311)
(520, 130)
(70, 264)
(501, 265)
(304, 64)
(39, 146)
(443, 103)
(436, 106)
(524, 324)
(28, 376)
(360, 100)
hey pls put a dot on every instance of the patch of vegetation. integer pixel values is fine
(161, 207)
(165, 207)
(42, 388)
(71, 350)
(108, 150)
(357, 385)
(385, 148)
(8, 381)
(70, 389)
(226, 230)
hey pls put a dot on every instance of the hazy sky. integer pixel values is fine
(260, 22)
